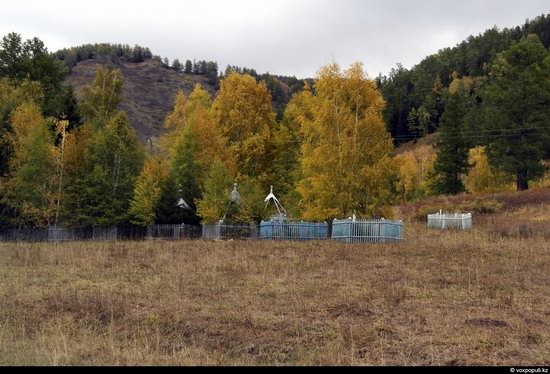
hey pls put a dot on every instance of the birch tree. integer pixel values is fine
(346, 155)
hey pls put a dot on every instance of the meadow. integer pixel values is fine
(480, 297)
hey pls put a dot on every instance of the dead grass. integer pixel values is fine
(479, 203)
(438, 298)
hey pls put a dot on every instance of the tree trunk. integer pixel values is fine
(521, 180)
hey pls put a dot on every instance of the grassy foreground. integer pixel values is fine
(438, 298)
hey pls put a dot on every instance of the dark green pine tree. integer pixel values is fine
(101, 194)
(188, 67)
(177, 65)
(515, 112)
(452, 148)
(167, 211)
(184, 172)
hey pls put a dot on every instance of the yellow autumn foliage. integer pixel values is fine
(147, 191)
(482, 177)
(30, 187)
(194, 112)
(242, 111)
(414, 168)
(346, 156)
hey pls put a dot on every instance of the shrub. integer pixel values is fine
(482, 206)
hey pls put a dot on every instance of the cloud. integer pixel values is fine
(290, 37)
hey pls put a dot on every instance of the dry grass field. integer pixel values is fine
(439, 298)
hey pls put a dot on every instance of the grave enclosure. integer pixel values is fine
(446, 221)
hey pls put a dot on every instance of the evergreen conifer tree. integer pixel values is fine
(452, 148)
(515, 111)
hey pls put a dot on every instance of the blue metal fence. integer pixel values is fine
(367, 231)
(293, 230)
(348, 230)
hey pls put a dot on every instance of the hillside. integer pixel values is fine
(411, 146)
(150, 87)
(148, 92)
(417, 96)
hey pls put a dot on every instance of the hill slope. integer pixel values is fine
(148, 92)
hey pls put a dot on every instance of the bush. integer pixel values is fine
(482, 206)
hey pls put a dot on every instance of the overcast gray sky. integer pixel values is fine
(290, 37)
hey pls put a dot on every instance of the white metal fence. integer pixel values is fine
(367, 231)
(445, 221)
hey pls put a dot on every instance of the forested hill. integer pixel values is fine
(148, 91)
(416, 98)
(151, 82)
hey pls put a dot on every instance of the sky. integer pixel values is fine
(286, 37)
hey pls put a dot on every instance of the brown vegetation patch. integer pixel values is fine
(203, 303)
(486, 322)
(481, 203)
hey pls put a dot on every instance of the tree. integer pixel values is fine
(194, 112)
(30, 187)
(167, 210)
(482, 177)
(30, 61)
(346, 156)
(242, 110)
(210, 142)
(404, 89)
(215, 201)
(102, 185)
(414, 168)
(452, 148)
(192, 143)
(76, 170)
(188, 67)
(397, 91)
(184, 170)
(12, 95)
(177, 65)
(177, 119)
(420, 121)
(288, 143)
(11, 56)
(147, 192)
(59, 152)
(102, 98)
(515, 111)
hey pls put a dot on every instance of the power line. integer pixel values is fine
(472, 134)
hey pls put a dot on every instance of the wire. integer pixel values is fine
(472, 134)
